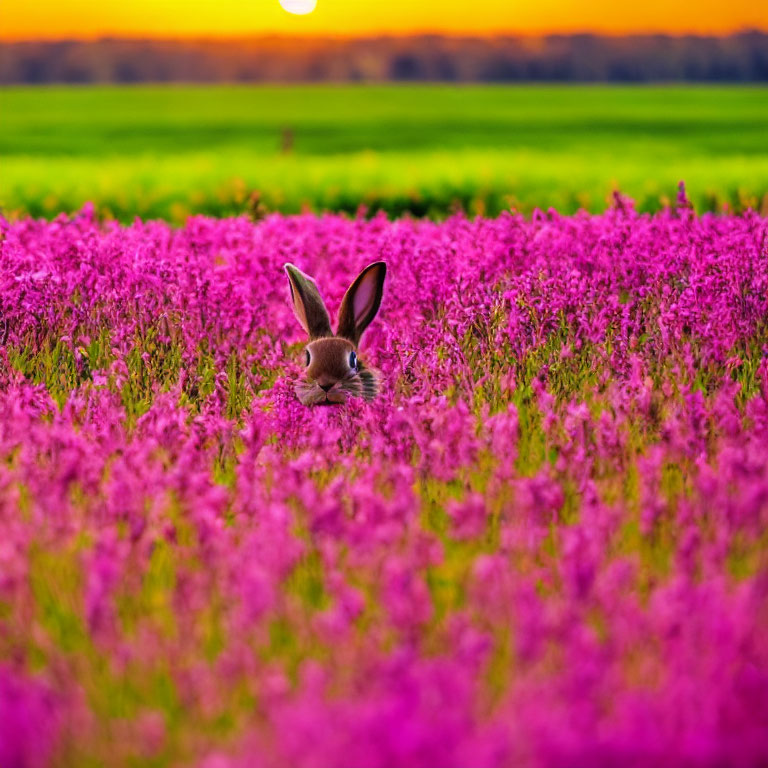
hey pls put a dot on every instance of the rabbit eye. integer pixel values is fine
(309, 359)
(352, 360)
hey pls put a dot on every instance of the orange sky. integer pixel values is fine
(39, 19)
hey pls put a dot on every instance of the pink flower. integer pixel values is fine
(468, 516)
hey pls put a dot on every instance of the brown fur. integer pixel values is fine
(329, 377)
(351, 326)
(308, 305)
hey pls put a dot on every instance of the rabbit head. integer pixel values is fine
(333, 371)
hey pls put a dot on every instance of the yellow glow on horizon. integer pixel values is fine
(87, 19)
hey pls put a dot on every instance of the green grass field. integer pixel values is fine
(170, 151)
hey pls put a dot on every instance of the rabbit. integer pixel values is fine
(333, 371)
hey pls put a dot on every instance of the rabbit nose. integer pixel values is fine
(326, 387)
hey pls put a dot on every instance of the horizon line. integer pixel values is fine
(384, 34)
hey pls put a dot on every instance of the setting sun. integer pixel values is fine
(299, 7)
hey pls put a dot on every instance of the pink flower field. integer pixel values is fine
(544, 544)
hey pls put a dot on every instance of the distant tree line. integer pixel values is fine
(579, 58)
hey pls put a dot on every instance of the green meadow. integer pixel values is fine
(168, 151)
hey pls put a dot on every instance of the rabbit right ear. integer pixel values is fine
(361, 302)
(307, 303)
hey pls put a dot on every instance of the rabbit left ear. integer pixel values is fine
(308, 306)
(362, 301)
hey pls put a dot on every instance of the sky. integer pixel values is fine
(87, 19)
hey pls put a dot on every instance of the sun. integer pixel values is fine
(299, 7)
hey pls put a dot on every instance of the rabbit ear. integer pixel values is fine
(361, 302)
(307, 304)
